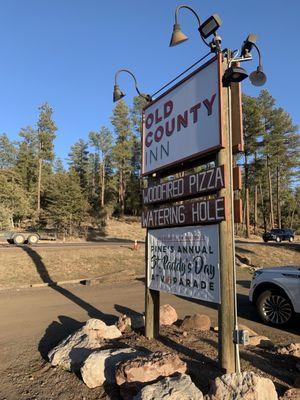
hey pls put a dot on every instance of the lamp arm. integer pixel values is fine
(196, 15)
(189, 8)
(259, 55)
(146, 97)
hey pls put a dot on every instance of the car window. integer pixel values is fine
(275, 231)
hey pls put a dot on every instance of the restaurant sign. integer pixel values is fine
(185, 261)
(187, 213)
(185, 122)
(198, 183)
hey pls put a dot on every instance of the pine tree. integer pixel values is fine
(283, 148)
(8, 152)
(122, 151)
(27, 158)
(46, 129)
(79, 161)
(14, 201)
(102, 142)
(252, 130)
(66, 205)
(266, 103)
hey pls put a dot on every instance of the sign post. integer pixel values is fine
(226, 228)
(152, 297)
(190, 239)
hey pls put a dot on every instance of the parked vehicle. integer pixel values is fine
(278, 235)
(275, 292)
(22, 237)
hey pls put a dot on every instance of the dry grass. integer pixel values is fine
(269, 254)
(127, 229)
(32, 265)
(19, 267)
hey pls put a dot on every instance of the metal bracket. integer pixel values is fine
(241, 337)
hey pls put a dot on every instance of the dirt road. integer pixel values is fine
(54, 245)
(33, 320)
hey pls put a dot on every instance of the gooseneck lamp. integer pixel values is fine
(258, 77)
(118, 94)
(208, 28)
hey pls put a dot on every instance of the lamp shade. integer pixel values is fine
(118, 94)
(234, 74)
(258, 77)
(177, 36)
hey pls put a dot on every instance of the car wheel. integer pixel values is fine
(18, 239)
(33, 239)
(274, 308)
(278, 240)
(265, 240)
(291, 239)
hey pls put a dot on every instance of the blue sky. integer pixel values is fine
(66, 52)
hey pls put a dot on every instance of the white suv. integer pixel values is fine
(276, 294)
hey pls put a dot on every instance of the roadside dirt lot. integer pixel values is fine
(33, 320)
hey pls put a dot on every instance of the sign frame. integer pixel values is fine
(179, 164)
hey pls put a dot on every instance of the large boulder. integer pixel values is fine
(251, 332)
(100, 366)
(167, 315)
(293, 349)
(149, 368)
(71, 352)
(244, 386)
(199, 322)
(291, 394)
(261, 341)
(176, 387)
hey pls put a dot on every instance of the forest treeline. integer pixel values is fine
(102, 176)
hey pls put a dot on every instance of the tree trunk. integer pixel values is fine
(270, 195)
(263, 207)
(278, 197)
(247, 213)
(122, 192)
(40, 163)
(255, 209)
(292, 217)
(102, 184)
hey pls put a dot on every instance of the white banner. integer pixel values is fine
(185, 261)
(184, 122)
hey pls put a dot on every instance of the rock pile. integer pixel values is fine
(71, 353)
(94, 351)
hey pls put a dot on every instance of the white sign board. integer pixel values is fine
(185, 261)
(185, 122)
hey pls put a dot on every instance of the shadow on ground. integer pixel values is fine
(66, 324)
